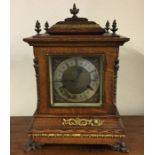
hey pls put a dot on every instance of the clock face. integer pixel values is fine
(76, 79)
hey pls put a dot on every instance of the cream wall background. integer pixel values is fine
(129, 15)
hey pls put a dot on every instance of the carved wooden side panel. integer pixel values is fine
(36, 67)
(116, 67)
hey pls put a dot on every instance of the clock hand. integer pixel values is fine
(79, 71)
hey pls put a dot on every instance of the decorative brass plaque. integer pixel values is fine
(82, 122)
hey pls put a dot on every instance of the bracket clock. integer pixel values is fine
(76, 63)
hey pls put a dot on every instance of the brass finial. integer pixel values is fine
(46, 26)
(74, 11)
(37, 27)
(114, 27)
(107, 26)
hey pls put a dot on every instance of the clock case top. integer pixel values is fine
(76, 31)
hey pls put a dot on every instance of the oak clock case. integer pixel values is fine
(76, 63)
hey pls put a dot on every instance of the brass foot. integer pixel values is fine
(31, 145)
(120, 146)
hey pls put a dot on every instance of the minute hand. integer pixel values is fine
(79, 71)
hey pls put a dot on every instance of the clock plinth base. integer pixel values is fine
(120, 146)
(97, 129)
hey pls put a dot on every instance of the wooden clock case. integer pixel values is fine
(76, 125)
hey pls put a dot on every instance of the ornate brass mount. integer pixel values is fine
(76, 135)
(82, 122)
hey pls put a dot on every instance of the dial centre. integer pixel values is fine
(76, 79)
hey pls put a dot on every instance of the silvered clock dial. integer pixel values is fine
(76, 79)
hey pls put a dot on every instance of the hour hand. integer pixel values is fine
(79, 71)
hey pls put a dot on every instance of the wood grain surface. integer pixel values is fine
(135, 140)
